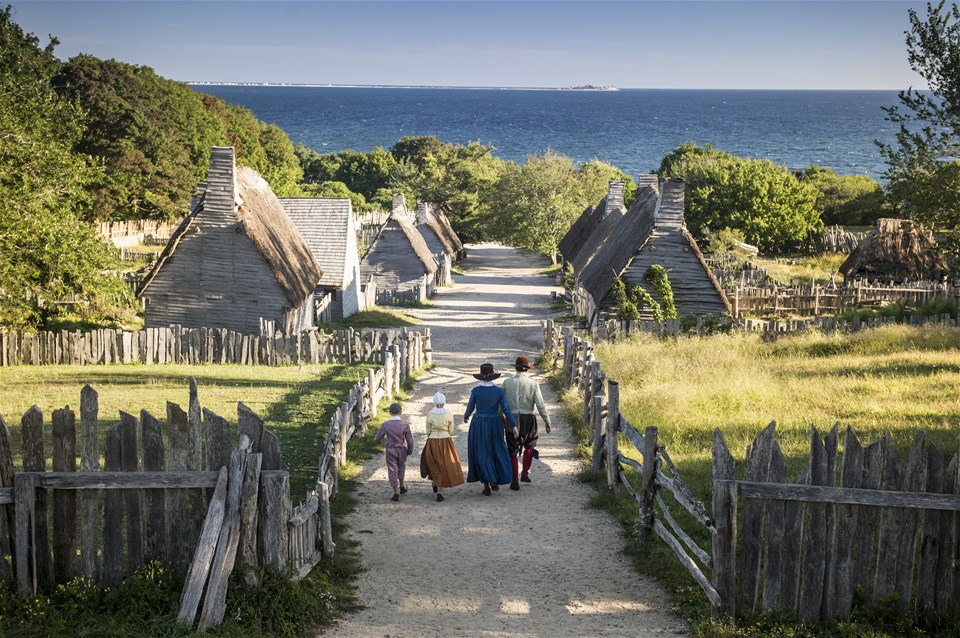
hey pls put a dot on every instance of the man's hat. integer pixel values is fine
(522, 363)
(487, 373)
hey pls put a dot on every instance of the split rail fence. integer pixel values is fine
(872, 525)
(192, 346)
(190, 495)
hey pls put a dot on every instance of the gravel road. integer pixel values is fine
(538, 562)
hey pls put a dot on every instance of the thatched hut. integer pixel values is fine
(436, 229)
(328, 227)
(896, 250)
(653, 232)
(399, 259)
(235, 260)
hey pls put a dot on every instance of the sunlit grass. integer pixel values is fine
(296, 403)
(372, 319)
(893, 379)
(805, 269)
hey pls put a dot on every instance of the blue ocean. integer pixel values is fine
(632, 128)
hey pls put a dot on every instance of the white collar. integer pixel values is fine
(487, 384)
(437, 410)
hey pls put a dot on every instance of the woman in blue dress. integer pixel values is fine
(488, 460)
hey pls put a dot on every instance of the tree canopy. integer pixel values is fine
(923, 167)
(47, 251)
(848, 200)
(773, 209)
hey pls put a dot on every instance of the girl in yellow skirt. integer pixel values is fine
(440, 462)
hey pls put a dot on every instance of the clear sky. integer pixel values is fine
(804, 44)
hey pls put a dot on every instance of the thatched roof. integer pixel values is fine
(609, 212)
(438, 235)
(896, 250)
(238, 194)
(625, 236)
(653, 231)
(573, 240)
(402, 221)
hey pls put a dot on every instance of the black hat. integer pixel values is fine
(487, 373)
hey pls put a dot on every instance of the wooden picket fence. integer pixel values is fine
(609, 329)
(870, 524)
(192, 346)
(195, 500)
(813, 300)
(806, 546)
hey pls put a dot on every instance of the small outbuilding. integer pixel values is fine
(653, 232)
(328, 227)
(399, 260)
(235, 261)
(436, 229)
(897, 250)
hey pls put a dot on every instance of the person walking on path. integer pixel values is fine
(439, 461)
(399, 447)
(523, 394)
(488, 460)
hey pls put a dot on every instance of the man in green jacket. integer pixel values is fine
(523, 395)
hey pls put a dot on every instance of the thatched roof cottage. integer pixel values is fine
(436, 229)
(235, 260)
(897, 250)
(328, 227)
(653, 232)
(399, 259)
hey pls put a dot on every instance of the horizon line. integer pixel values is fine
(583, 88)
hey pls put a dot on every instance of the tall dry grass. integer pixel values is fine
(894, 379)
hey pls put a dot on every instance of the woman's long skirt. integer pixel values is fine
(441, 463)
(487, 456)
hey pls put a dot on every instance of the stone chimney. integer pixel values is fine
(423, 213)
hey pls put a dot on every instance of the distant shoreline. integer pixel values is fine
(600, 88)
(515, 88)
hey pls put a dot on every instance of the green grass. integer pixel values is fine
(805, 269)
(296, 404)
(894, 379)
(373, 319)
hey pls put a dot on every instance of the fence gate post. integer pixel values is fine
(645, 524)
(725, 522)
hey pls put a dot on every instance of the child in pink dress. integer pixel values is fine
(399, 447)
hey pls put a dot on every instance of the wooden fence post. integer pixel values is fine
(649, 491)
(725, 521)
(612, 436)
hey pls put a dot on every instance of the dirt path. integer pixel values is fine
(539, 562)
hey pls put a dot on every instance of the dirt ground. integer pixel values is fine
(538, 562)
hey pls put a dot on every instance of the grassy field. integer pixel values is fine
(805, 268)
(894, 379)
(295, 402)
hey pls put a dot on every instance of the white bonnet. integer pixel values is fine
(439, 399)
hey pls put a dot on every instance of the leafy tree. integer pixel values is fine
(595, 177)
(850, 200)
(452, 175)
(152, 135)
(773, 209)
(532, 206)
(923, 167)
(47, 251)
(364, 173)
(336, 189)
(282, 168)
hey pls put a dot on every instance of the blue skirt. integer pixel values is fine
(487, 456)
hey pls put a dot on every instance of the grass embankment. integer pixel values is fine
(376, 319)
(894, 379)
(296, 404)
